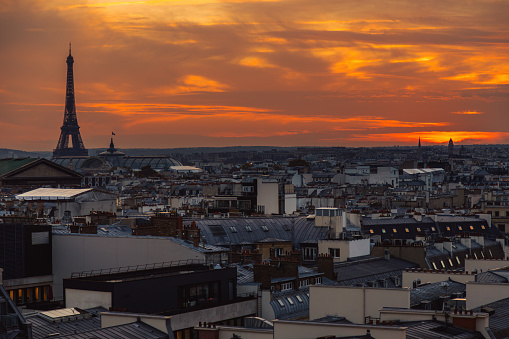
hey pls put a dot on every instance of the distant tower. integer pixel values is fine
(70, 128)
(451, 148)
(419, 150)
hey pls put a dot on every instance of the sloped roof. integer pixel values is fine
(251, 230)
(370, 270)
(9, 167)
(10, 164)
(433, 291)
(52, 193)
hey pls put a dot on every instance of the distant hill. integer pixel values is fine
(11, 153)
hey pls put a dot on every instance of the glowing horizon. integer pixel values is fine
(180, 73)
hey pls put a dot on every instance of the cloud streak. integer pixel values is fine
(300, 71)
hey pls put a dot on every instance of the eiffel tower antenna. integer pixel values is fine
(70, 129)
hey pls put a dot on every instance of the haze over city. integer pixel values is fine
(283, 73)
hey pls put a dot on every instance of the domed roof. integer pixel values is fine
(112, 151)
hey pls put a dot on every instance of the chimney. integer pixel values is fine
(196, 241)
(207, 332)
(448, 245)
(466, 241)
(387, 254)
(326, 265)
(262, 274)
(88, 229)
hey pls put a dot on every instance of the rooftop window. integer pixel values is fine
(265, 228)
(290, 301)
(281, 303)
(233, 229)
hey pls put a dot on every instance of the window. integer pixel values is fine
(475, 255)
(497, 213)
(482, 226)
(450, 262)
(265, 228)
(233, 229)
(383, 230)
(318, 280)
(448, 228)
(472, 228)
(290, 301)
(458, 260)
(434, 265)
(304, 283)
(418, 229)
(442, 262)
(433, 229)
(371, 231)
(334, 252)
(40, 238)
(248, 228)
(407, 230)
(281, 303)
(460, 228)
(394, 230)
(286, 286)
(299, 299)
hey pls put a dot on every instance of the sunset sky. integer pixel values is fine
(188, 73)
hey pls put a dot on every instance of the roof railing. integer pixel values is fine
(135, 268)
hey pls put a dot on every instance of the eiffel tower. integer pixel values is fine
(70, 128)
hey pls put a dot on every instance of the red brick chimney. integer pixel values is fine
(326, 265)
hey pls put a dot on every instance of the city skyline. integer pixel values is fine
(167, 74)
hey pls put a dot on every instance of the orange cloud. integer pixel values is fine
(435, 137)
(468, 112)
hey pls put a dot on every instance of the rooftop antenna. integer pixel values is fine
(69, 48)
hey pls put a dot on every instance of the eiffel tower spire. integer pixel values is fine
(70, 128)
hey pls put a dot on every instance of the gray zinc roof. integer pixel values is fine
(251, 230)
(433, 291)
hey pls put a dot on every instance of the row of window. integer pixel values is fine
(457, 260)
(460, 228)
(248, 228)
(22, 296)
(302, 283)
(291, 300)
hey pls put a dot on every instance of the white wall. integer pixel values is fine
(290, 203)
(87, 299)
(433, 277)
(268, 195)
(245, 333)
(81, 252)
(484, 265)
(354, 303)
(308, 330)
(479, 294)
(348, 248)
